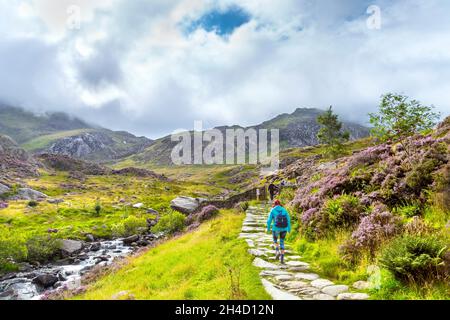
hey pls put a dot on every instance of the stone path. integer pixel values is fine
(292, 281)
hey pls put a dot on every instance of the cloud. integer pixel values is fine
(132, 66)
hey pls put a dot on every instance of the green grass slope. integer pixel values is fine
(210, 263)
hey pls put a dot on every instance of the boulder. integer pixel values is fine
(186, 205)
(361, 285)
(28, 194)
(352, 296)
(130, 240)
(46, 280)
(95, 246)
(335, 290)
(138, 205)
(70, 247)
(90, 237)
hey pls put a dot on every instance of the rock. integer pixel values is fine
(284, 277)
(25, 267)
(28, 194)
(306, 276)
(323, 296)
(335, 290)
(152, 211)
(55, 201)
(250, 243)
(52, 230)
(294, 284)
(143, 243)
(186, 205)
(273, 273)
(138, 205)
(123, 295)
(260, 263)
(352, 296)
(297, 264)
(70, 247)
(4, 189)
(90, 237)
(277, 294)
(321, 283)
(361, 285)
(257, 253)
(3, 205)
(95, 246)
(45, 280)
(102, 258)
(130, 240)
(83, 257)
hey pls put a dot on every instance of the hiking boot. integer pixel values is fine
(277, 254)
(282, 259)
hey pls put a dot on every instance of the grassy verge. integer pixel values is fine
(209, 263)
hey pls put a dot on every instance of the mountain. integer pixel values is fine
(15, 162)
(298, 129)
(60, 133)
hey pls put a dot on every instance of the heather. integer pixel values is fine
(387, 205)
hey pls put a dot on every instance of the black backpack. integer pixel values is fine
(281, 220)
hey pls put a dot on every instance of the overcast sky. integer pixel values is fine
(154, 66)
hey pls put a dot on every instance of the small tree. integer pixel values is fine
(399, 117)
(331, 133)
(97, 208)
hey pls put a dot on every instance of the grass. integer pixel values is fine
(196, 266)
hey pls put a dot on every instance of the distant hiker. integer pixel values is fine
(272, 191)
(281, 221)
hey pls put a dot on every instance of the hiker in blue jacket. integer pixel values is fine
(280, 223)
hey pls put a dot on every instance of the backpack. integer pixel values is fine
(281, 220)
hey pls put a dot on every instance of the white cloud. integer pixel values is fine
(131, 67)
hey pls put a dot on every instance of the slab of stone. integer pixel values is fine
(321, 283)
(273, 273)
(293, 257)
(323, 296)
(250, 243)
(335, 289)
(297, 264)
(257, 253)
(352, 296)
(298, 269)
(252, 229)
(361, 285)
(294, 284)
(260, 263)
(306, 291)
(306, 276)
(186, 205)
(284, 277)
(277, 294)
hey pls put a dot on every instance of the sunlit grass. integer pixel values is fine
(195, 266)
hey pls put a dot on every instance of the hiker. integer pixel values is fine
(281, 226)
(272, 191)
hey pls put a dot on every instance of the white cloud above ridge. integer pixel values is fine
(130, 66)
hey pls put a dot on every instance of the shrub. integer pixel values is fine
(408, 211)
(342, 211)
(373, 230)
(207, 213)
(415, 258)
(33, 204)
(97, 209)
(129, 226)
(42, 248)
(170, 223)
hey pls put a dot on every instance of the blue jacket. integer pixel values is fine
(272, 215)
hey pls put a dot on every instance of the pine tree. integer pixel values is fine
(331, 133)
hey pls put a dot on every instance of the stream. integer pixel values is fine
(20, 286)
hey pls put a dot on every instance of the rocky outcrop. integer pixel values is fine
(186, 205)
(28, 194)
(14, 161)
